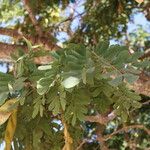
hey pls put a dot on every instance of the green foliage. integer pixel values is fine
(83, 79)
(79, 78)
(10, 10)
(5, 83)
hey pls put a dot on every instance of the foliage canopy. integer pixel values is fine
(79, 95)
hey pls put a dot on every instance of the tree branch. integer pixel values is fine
(68, 139)
(81, 144)
(145, 55)
(46, 39)
(101, 119)
(125, 129)
(100, 138)
(146, 103)
(10, 32)
(7, 49)
(35, 40)
(70, 18)
(32, 17)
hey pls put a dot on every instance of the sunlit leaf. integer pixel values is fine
(70, 82)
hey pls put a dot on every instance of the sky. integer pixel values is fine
(138, 19)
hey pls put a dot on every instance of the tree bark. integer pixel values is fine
(7, 49)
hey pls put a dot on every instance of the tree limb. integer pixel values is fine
(146, 103)
(45, 39)
(100, 118)
(68, 139)
(145, 55)
(7, 49)
(32, 17)
(35, 40)
(99, 132)
(81, 144)
(10, 32)
(125, 129)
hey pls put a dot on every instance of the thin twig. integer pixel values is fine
(146, 103)
(81, 144)
(70, 19)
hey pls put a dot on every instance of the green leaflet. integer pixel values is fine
(62, 94)
(39, 102)
(117, 81)
(45, 67)
(121, 59)
(46, 82)
(5, 79)
(70, 82)
(77, 107)
(112, 52)
(42, 89)
(19, 84)
(102, 103)
(44, 125)
(3, 97)
(55, 105)
(142, 64)
(130, 78)
(56, 99)
(55, 55)
(102, 47)
(37, 135)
